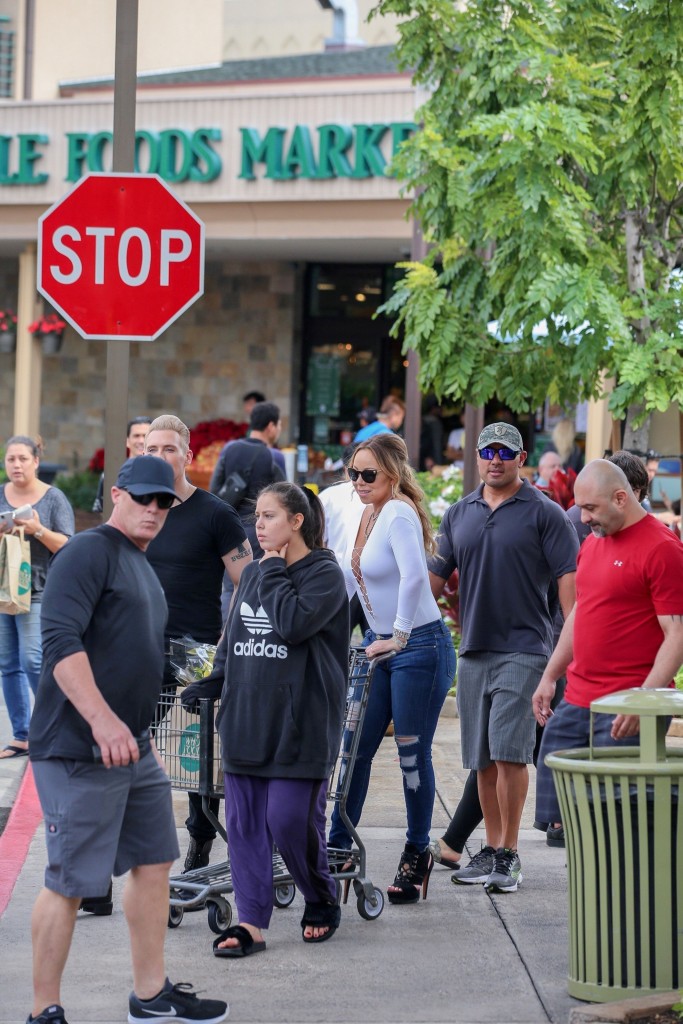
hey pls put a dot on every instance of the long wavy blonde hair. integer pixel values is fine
(392, 458)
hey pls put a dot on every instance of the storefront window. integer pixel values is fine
(6, 58)
(350, 362)
(349, 290)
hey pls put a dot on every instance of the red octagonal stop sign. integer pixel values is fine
(120, 256)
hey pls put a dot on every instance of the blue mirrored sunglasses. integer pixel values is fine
(489, 454)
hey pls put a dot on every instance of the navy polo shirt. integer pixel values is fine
(506, 560)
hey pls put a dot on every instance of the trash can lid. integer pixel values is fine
(640, 702)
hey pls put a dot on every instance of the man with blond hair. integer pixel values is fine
(202, 538)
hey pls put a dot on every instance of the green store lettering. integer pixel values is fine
(342, 152)
(174, 154)
(21, 151)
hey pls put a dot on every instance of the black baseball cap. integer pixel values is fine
(147, 474)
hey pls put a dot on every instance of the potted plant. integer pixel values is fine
(50, 328)
(8, 330)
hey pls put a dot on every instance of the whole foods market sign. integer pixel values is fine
(328, 151)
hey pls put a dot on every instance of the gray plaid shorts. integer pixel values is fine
(494, 703)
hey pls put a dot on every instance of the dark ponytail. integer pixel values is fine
(301, 501)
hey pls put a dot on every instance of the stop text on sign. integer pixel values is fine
(120, 256)
(134, 249)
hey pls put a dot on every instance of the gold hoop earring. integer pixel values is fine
(393, 490)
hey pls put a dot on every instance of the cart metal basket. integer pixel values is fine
(190, 748)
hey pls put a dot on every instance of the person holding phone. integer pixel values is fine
(47, 524)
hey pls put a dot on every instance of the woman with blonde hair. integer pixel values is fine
(387, 568)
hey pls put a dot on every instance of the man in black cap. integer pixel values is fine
(509, 542)
(105, 796)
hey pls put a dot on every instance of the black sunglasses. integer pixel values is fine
(489, 454)
(163, 500)
(369, 475)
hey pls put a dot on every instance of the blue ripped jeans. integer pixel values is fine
(409, 688)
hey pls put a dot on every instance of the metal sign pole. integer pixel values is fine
(118, 352)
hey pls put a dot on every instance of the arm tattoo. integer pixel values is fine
(241, 553)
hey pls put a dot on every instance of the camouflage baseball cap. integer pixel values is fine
(501, 433)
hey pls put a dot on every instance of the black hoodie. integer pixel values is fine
(284, 694)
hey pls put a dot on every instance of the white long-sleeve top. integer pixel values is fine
(394, 568)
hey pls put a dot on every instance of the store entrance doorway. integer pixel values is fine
(349, 361)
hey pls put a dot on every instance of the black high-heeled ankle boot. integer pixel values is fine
(413, 873)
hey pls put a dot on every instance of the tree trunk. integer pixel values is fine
(637, 439)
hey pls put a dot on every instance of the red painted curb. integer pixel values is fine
(22, 823)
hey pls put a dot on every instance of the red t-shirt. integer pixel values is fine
(623, 582)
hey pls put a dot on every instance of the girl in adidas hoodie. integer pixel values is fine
(281, 716)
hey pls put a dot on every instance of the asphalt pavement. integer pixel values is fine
(461, 956)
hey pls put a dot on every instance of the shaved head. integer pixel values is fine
(605, 498)
(604, 475)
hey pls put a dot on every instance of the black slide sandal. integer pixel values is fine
(247, 943)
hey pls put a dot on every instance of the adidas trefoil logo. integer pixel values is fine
(257, 624)
(255, 621)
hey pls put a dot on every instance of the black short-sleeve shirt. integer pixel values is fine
(506, 560)
(187, 556)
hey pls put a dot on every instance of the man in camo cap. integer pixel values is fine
(508, 542)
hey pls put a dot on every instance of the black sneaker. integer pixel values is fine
(555, 836)
(100, 906)
(478, 869)
(177, 1003)
(507, 872)
(51, 1015)
(198, 854)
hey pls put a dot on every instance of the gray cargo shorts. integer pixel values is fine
(494, 694)
(102, 821)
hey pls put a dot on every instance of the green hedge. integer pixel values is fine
(80, 488)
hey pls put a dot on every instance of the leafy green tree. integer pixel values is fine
(548, 180)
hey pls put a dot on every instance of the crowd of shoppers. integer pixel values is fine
(154, 571)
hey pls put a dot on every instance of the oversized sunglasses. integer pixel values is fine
(489, 454)
(369, 475)
(163, 500)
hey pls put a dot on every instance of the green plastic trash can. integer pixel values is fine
(623, 823)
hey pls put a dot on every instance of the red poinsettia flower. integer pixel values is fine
(8, 321)
(48, 323)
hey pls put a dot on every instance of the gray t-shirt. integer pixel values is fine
(506, 560)
(55, 513)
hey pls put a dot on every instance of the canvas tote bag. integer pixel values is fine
(15, 573)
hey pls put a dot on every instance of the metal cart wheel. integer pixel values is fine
(220, 915)
(175, 916)
(283, 895)
(366, 908)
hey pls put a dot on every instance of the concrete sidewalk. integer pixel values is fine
(461, 956)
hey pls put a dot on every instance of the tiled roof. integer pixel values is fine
(364, 61)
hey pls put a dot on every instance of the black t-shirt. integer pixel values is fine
(187, 556)
(253, 460)
(101, 597)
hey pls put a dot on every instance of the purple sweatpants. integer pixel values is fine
(289, 813)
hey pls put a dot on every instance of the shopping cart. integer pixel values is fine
(190, 748)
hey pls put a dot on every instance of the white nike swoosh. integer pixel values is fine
(163, 1013)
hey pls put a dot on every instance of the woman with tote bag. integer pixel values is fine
(47, 527)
